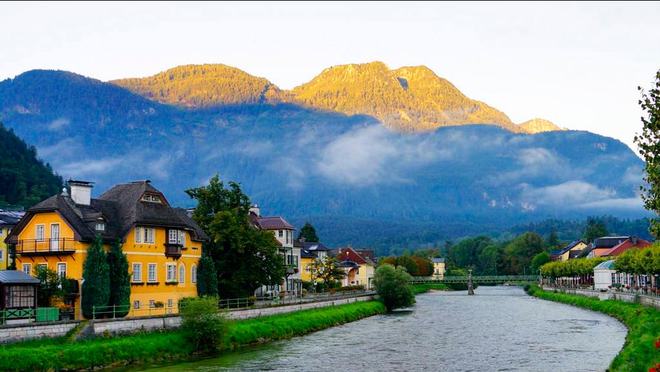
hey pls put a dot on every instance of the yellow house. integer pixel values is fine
(163, 244)
(8, 219)
(309, 252)
(572, 250)
(438, 268)
(359, 266)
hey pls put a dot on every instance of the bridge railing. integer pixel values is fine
(477, 279)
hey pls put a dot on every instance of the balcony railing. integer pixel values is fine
(173, 250)
(45, 246)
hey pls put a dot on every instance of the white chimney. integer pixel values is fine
(81, 192)
(255, 209)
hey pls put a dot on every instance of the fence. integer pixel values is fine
(42, 314)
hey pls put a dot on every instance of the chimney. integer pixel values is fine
(81, 192)
(255, 209)
(634, 240)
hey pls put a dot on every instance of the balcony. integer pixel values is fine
(291, 269)
(45, 247)
(173, 250)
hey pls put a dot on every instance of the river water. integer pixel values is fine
(498, 329)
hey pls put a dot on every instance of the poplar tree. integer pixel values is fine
(207, 276)
(96, 276)
(309, 233)
(120, 281)
(649, 147)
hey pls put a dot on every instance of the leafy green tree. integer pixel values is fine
(207, 276)
(407, 263)
(327, 270)
(308, 232)
(49, 287)
(245, 257)
(553, 240)
(540, 260)
(595, 229)
(518, 254)
(96, 276)
(393, 287)
(120, 280)
(424, 266)
(649, 147)
(489, 260)
(202, 324)
(466, 252)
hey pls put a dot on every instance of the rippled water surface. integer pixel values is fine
(498, 329)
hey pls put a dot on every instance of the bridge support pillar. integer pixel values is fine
(470, 286)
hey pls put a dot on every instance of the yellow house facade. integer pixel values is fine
(569, 251)
(438, 268)
(162, 244)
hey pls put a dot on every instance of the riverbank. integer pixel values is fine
(640, 351)
(425, 287)
(59, 354)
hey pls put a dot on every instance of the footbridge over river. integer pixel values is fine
(477, 279)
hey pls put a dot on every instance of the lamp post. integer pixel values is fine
(82, 282)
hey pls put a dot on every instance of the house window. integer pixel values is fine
(182, 274)
(182, 237)
(138, 235)
(136, 304)
(100, 226)
(170, 302)
(171, 273)
(151, 198)
(2, 254)
(174, 236)
(61, 269)
(19, 296)
(152, 304)
(137, 273)
(149, 233)
(281, 233)
(151, 272)
(39, 235)
(27, 268)
(193, 274)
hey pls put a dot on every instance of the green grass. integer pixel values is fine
(58, 354)
(639, 352)
(425, 287)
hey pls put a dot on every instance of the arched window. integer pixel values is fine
(193, 274)
(182, 274)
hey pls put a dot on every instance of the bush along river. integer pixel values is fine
(499, 329)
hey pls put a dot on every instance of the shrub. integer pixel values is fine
(202, 324)
(393, 287)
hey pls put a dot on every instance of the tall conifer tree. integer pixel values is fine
(96, 276)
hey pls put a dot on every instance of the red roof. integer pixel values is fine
(626, 245)
(349, 254)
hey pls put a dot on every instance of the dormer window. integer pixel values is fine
(151, 198)
(100, 226)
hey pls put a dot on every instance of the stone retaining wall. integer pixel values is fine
(22, 332)
(611, 295)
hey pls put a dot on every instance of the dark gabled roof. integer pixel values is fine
(272, 223)
(315, 246)
(120, 208)
(306, 253)
(608, 241)
(567, 248)
(16, 277)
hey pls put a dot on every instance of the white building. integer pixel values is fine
(283, 232)
(603, 274)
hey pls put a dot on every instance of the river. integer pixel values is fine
(498, 329)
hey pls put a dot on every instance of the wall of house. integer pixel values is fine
(305, 269)
(145, 293)
(4, 252)
(286, 239)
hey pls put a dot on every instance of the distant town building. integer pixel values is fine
(358, 265)
(438, 268)
(573, 250)
(610, 246)
(8, 219)
(603, 274)
(283, 232)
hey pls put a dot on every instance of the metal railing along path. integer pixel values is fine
(484, 279)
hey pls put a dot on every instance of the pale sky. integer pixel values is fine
(577, 65)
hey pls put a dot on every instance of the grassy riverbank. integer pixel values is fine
(423, 288)
(639, 352)
(58, 354)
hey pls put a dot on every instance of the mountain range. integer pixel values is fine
(369, 155)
